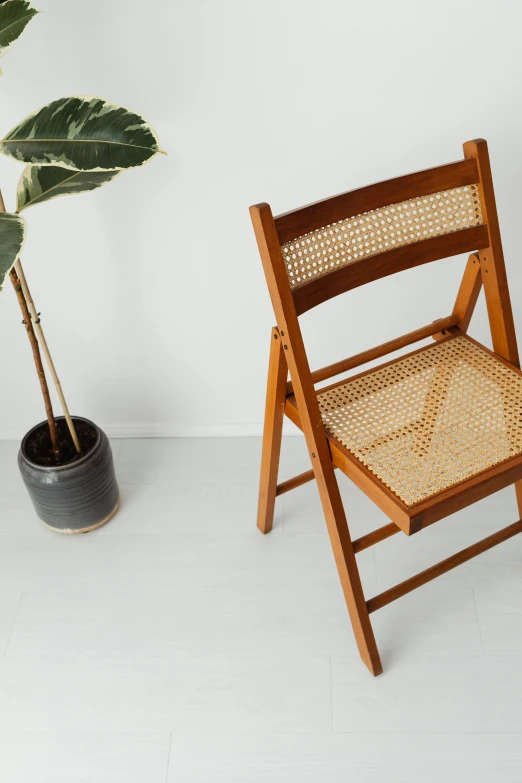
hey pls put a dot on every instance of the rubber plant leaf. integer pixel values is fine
(83, 134)
(42, 183)
(12, 237)
(14, 16)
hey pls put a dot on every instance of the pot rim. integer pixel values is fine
(76, 463)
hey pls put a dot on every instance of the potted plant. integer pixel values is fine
(72, 145)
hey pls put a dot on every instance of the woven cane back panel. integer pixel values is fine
(349, 241)
(431, 419)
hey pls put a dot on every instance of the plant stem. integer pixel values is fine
(53, 430)
(37, 360)
(45, 349)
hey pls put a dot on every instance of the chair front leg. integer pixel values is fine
(345, 559)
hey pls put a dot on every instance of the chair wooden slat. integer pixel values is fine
(367, 270)
(297, 222)
(397, 591)
(370, 539)
(437, 327)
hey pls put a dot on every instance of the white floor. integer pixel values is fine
(178, 645)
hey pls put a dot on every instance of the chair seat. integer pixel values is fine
(429, 420)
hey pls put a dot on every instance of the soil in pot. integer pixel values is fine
(39, 449)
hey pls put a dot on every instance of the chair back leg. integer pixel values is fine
(272, 433)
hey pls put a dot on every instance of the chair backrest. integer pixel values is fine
(339, 243)
(431, 225)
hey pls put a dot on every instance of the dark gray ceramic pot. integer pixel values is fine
(73, 498)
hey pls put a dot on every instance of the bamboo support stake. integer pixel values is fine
(37, 360)
(47, 354)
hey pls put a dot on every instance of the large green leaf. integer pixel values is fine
(12, 238)
(85, 134)
(14, 16)
(41, 183)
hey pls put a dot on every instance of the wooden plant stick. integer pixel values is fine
(37, 360)
(48, 358)
(53, 430)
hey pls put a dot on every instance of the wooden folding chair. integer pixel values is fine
(423, 435)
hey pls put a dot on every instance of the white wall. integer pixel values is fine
(151, 289)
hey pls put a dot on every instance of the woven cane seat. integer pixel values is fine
(429, 420)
